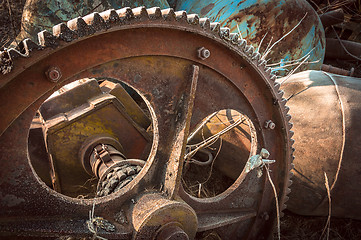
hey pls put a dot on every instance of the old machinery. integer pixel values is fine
(142, 111)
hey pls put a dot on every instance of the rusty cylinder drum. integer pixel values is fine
(326, 113)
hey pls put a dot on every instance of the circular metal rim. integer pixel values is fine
(282, 112)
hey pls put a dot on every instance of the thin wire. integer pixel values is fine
(293, 70)
(343, 129)
(343, 46)
(277, 204)
(265, 55)
(214, 159)
(260, 44)
(292, 61)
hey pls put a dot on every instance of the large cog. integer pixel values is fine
(26, 82)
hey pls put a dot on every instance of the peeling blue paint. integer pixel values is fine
(255, 18)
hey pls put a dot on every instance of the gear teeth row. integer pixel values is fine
(97, 22)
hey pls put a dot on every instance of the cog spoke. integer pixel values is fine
(176, 158)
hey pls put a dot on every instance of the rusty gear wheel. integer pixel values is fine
(186, 68)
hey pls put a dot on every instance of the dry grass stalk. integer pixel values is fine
(328, 222)
(277, 204)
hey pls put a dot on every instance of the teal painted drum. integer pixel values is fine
(263, 22)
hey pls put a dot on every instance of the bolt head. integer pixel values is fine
(53, 74)
(203, 53)
(269, 124)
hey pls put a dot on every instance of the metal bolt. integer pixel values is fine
(53, 74)
(203, 53)
(269, 124)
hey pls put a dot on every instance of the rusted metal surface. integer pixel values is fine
(152, 210)
(332, 17)
(327, 123)
(158, 56)
(336, 49)
(130, 106)
(266, 21)
(336, 70)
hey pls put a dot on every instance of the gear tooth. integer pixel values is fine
(249, 50)
(288, 118)
(168, 14)
(273, 78)
(292, 166)
(154, 13)
(277, 86)
(256, 56)
(292, 133)
(64, 33)
(125, 14)
(284, 206)
(29, 45)
(110, 16)
(140, 13)
(282, 214)
(13, 53)
(290, 126)
(262, 63)
(242, 44)
(287, 109)
(21, 47)
(215, 27)
(268, 71)
(292, 150)
(80, 27)
(290, 182)
(281, 93)
(224, 33)
(47, 39)
(234, 38)
(181, 16)
(205, 23)
(95, 21)
(288, 191)
(193, 19)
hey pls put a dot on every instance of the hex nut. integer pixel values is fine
(269, 124)
(203, 53)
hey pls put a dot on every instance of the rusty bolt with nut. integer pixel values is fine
(53, 74)
(269, 124)
(203, 53)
